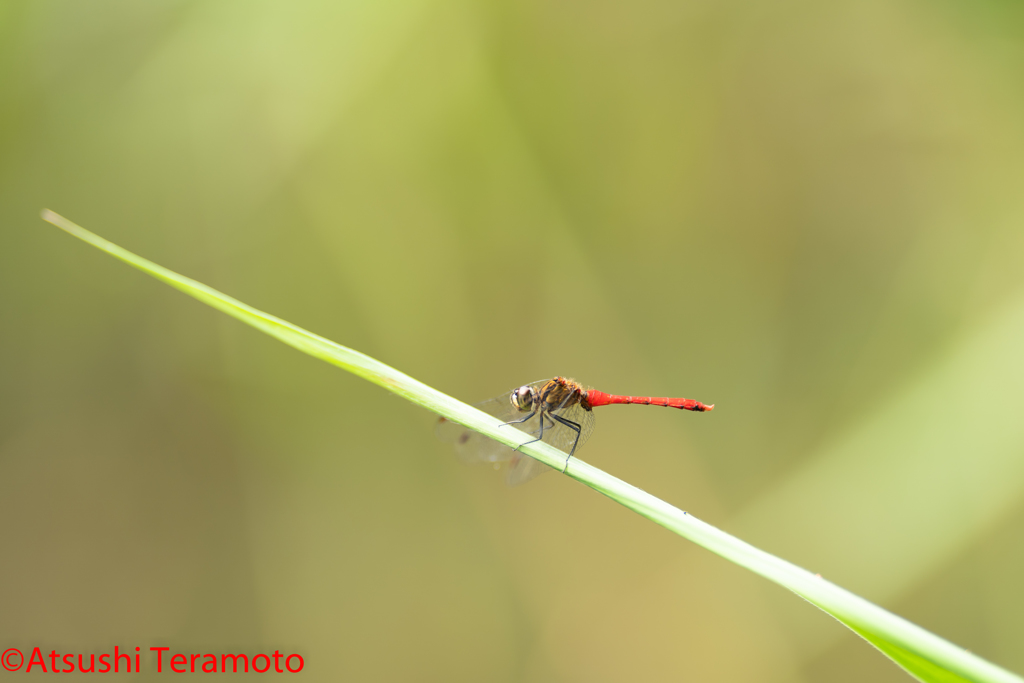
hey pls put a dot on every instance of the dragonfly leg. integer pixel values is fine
(525, 443)
(515, 422)
(576, 428)
(539, 436)
(542, 417)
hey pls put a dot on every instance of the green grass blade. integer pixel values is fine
(917, 666)
(924, 655)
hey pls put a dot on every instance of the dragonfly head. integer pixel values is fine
(523, 398)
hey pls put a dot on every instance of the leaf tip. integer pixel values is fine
(64, 224)
(55, 218)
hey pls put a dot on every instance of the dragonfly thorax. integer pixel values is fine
(523, 398)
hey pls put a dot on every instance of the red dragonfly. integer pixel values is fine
(556, 411)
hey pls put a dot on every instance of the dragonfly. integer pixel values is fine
(556, 411)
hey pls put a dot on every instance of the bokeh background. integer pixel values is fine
(810, 214)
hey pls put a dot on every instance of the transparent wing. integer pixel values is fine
(472, 446)
(522, 468)
(563, 436)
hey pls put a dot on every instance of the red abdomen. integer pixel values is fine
(599, 398)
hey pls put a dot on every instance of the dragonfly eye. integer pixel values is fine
(522, 398)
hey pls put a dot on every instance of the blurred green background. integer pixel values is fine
(810, 214)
